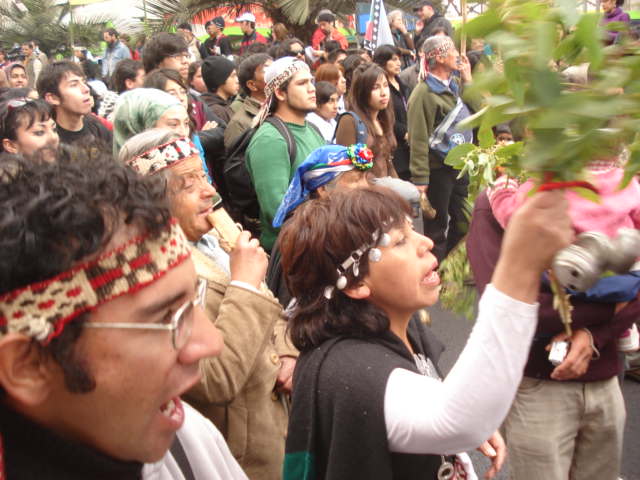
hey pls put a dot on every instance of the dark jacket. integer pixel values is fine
(483, 249)
(400, 98)
(436, 21)
(218, 105)
(216, 46)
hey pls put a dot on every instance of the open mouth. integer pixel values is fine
(207, 210)
(173, 411)
(431, 279)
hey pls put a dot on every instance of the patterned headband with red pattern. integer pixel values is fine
(164, 156)
(43, 309)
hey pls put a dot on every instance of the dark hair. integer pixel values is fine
(90, 69)
(185, 26)
(193, 69)
(324, 90)
(126, 69)
(160, 46)
(57, 214)
(285, 47)
(11, 93)
(23, 116)
(333, 56)
(247, 69)
(53, 73)
(384, 53)
(158, 79)
(350, 64)
(331, 45)
(255, 48)
(111, 31)
(320, 235)
(364, 79)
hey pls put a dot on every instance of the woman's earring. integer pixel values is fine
(375, 255)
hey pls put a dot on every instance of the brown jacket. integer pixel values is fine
(237, 388)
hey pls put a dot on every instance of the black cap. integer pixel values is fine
(424, 3)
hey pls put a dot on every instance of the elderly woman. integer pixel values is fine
(244, 390)
(145, 108)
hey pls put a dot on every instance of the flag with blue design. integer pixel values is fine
(378, 30)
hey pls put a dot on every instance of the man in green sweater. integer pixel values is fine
(435, 109)
(290, 95)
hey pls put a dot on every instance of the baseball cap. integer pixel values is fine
(246, 17)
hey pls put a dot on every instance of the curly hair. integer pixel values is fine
(320, 235)
(55, 215)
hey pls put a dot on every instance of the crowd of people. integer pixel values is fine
(140, 339)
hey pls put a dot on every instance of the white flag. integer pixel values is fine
(378, 30)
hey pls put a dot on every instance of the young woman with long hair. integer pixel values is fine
(388, 58)
(369, 98)
(367, 400)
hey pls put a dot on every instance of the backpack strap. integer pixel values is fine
(361, 129)
(180, 456)
(286, 133)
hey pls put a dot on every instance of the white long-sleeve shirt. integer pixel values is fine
(425, 415)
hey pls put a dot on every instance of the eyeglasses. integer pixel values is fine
(180, 56)
(181, 321)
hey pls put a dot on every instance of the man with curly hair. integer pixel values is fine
(101, 329)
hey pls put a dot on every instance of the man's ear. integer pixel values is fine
(129, 82)
(251, 85)
(9, 146)
(52, 99)
(280, 94)
(360, 291)
(24, 374)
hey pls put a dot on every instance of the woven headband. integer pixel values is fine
(42, 310)
(164, 156)
(275, 83)
(439, 51)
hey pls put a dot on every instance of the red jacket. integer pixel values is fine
(319, 37)
(247, 40)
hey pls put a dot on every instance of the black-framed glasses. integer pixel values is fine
(181, 323)
(180, 56)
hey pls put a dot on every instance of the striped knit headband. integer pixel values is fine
(43, 309)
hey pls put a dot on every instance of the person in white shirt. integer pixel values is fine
(324, 116)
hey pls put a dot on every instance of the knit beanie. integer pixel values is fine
(215, 71)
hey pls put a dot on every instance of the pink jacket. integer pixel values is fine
(617, 208)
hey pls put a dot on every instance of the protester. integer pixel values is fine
(338, 255)
(329, 72)
(145, 108)
(401, 37)
(431, 19)
(217, 43)
(129, 74)
(166, 50)
(63, 85)
(221, 78)
(243, 390)
(125, 39)
(91, 386)
(16, 75)
(196, 84)
(567, 419)
(350, 64)
(32, 63)
(290, 95)
(3, 58)
(251, 78)
(193, 44)
(370, 100)
(388, 58)
(613, 13)
(324, 116)
(435, 106)
(327, 31)
(250, 36)
(279, 33)
(27, 128)
(292, 47)
(114, 52)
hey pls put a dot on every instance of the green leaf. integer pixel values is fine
(482, 25)
(588, 194)
(455, 157)
(485, 136)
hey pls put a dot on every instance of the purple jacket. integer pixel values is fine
(617, 15)
(483, 249)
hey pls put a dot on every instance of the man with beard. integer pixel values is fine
(290, 95)
(64, 86)
(114, 52)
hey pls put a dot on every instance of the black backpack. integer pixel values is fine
(241, 192)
